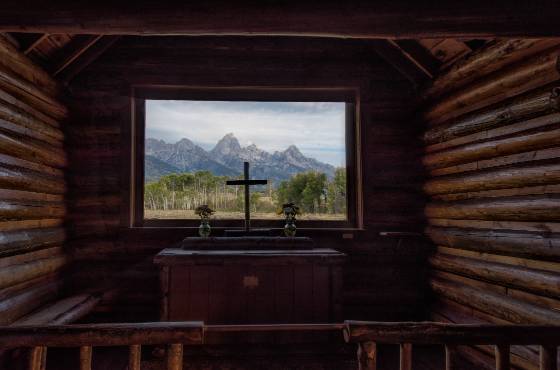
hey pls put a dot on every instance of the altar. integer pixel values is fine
(250, 277)
(250, 280)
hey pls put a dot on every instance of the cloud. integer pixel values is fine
(317, 128)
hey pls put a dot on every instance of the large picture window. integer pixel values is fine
(189, 142)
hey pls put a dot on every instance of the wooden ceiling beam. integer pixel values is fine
(401, 60)
(419, 54)
(75, 54)
(35, 43)
(358, 18)
(86, 57)
(11, 39)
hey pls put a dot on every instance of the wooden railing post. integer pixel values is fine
(502, 357)
(366, 334)
(85, 357)
(43, 358)
(34, 358)
(451, 358)
(548, 358)
(405, 356)
(175, 357)
(134, 357)
(367, 356)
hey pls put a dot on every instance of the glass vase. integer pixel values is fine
(204, 229)
(290, 227)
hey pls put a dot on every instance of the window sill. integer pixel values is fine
(177, 233)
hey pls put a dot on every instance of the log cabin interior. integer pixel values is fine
(449, 255)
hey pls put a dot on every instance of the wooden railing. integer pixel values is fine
(39, 338)
(365, 334)
(134, 335)
(368, 334)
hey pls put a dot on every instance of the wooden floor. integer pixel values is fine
(339, 357)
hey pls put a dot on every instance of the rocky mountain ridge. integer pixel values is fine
(226, 159)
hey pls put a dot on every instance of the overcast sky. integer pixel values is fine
(317, 129)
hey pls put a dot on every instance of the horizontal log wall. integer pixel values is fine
(493, 155)
(32, 187)
(382, 278)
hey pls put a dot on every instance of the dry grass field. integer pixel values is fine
(189, 214)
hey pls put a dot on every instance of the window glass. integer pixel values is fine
(192, 147)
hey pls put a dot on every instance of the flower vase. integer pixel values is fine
(204, 229)
(290, 227)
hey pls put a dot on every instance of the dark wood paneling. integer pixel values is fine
(251, 293)
(381, 19)
(392, 169)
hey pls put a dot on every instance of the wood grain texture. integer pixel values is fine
(486, 149)
(529, 74)
(175, 357)
(19, 241)
(548, 357)
(503, 177)
(539, 282)
(492, 57)
(479, 125)
(32, 201)
(85, 357)
(63, 311)
(34, 358)
(367, 356)
(121, 334)
(383, 19)
(405, 358)
(495, 304)
(451, 357)
(502, 357)
(450, 334)
(14, 274)
(134, 357)
(523, 208)
(537, 245)
(99, 159)
(23, 301)
(17, 63)
(222, 289)
(493, 190)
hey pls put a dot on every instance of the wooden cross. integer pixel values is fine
(246, 182)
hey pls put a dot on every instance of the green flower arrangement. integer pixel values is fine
(204, 211)
(290, 210)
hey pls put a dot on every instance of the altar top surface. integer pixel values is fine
(179, 256)
(247, 243)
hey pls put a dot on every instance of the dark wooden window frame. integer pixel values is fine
(353, 148)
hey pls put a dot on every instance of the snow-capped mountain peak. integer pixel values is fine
(227, 157)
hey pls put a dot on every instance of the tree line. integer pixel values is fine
(312, 191)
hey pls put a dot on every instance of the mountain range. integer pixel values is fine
(226, 159)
